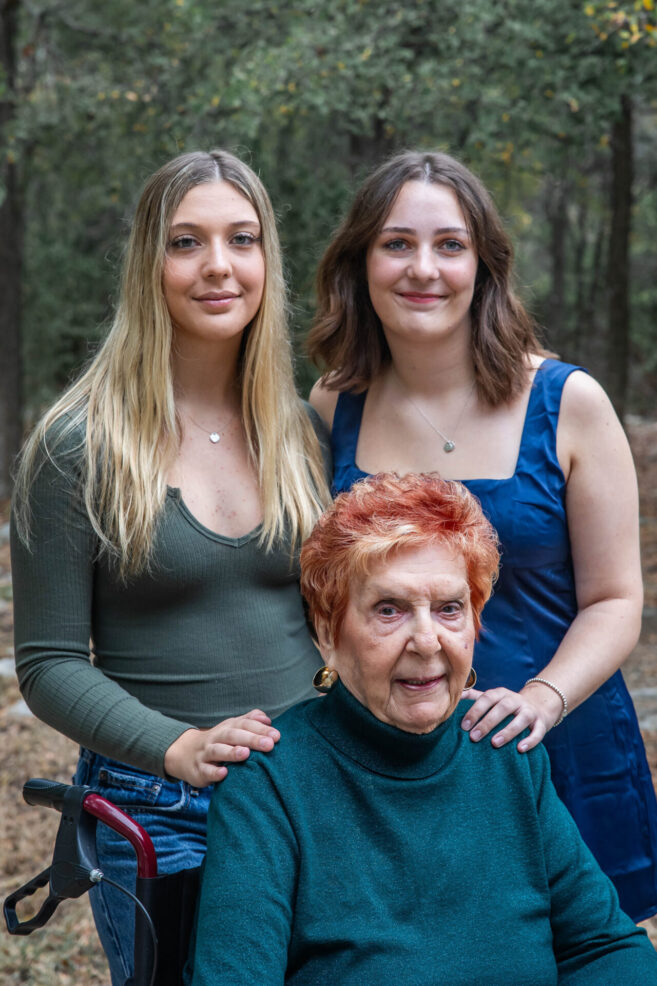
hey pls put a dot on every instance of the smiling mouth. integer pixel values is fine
(222, 298)
(418, 298)
(420, 684)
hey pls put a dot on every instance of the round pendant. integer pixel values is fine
(449, 446)
(214, 437)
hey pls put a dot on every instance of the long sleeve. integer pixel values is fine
(53, 583)
(245, 912)
(594, 941)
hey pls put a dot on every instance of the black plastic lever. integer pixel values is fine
(74, 867)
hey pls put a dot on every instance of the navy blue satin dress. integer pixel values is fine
(598, 759)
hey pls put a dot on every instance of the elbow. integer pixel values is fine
(631, 617)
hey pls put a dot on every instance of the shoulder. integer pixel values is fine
(323, 436)
(503, 768)
(65, 439)
(589, 429)
(55, 451)
(324, 400)
(317, 421)
(286, 772)
(583, 397)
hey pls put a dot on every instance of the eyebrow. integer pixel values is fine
(240, 223)
(436, 232)
(399, 593)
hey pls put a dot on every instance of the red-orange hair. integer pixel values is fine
(385, 514)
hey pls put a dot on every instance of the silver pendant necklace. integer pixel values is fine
(449, 443)
(213, 436)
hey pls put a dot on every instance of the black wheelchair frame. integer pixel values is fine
(164, 905)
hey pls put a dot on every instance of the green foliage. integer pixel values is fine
(313, 94)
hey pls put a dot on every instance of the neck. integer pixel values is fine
(378, 746)
(206, 377)
(437, 368)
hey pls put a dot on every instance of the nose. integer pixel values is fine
(424, 637)
(216, 261)
(424, 263)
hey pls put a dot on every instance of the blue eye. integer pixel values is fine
(395, 245)
(451, 609)
(452, 246)
(183, 243)
(245, 239)
(386, 609)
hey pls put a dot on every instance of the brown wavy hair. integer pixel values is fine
(385, 514)
(347, 338)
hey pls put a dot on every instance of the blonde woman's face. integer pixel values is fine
(214, 269)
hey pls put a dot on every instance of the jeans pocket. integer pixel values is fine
(135, 790)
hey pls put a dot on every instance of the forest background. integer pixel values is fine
(552, 102)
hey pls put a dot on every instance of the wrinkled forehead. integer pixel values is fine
(435, 568)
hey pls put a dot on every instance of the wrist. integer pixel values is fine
(558, 701)
(177, 754)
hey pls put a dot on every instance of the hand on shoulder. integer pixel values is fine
(199, 756)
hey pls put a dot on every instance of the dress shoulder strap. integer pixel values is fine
(346, 427)
(539, 438)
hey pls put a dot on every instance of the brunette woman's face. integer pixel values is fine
(214, 270)
(422, 265)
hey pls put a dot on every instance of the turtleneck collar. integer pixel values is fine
(381, 748)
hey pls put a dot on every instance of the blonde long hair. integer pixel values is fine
(124, 402)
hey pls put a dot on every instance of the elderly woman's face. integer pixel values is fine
(405, 646)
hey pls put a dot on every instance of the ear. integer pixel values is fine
(325, 642)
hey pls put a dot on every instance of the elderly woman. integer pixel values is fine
(348, 854)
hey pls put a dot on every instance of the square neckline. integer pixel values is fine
(480, 479)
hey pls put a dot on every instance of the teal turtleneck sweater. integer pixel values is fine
(358, 854)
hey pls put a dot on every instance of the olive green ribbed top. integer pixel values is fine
(215, 628)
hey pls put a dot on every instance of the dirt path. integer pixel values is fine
(67, 953)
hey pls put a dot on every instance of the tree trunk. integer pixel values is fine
(11, 255)
(618, 271)
(555, 209)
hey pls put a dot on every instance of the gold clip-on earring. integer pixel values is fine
(324, 679)
(471, 680)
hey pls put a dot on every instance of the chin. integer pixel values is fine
(422, 724)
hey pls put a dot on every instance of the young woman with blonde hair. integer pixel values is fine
(158, 511)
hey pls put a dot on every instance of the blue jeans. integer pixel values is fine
(173, 813)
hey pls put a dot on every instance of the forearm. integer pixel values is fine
(597, 643)
(78, 700)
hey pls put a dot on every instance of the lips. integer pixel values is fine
(420, 298)
(420, 684)
(217, 296)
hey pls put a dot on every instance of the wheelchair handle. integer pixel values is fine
(74, 868)
(46, 794)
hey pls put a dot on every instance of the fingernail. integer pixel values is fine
(241, 751)
(475, 734)
(266, 742)
(466, 723)
(498, 740)
(522, 747)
